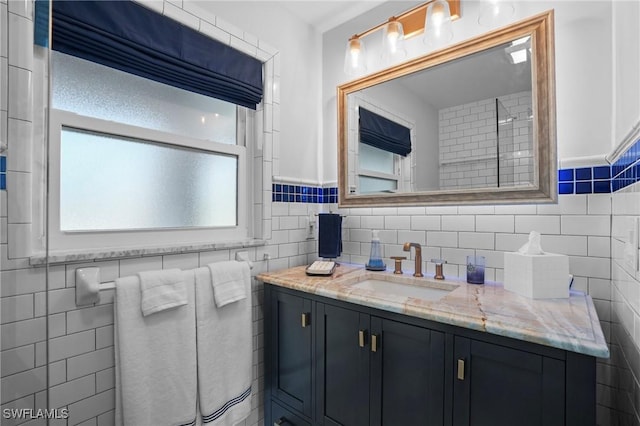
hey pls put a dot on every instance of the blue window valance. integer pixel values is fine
(129, 37)
(384, 134)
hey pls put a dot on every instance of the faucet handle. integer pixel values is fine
(439, 262)
(398, 265)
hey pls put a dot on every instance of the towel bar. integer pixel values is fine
(330, 212)
(88, 285)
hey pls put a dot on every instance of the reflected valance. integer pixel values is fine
(382, 133)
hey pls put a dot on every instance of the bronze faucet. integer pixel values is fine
(418, 267)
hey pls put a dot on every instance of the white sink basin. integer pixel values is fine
(402, 289)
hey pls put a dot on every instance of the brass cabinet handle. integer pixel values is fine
(305, 319)
(279, 422)
(361, 338)
(374, 343)
(460, 369)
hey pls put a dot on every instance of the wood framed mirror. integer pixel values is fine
(473, 123)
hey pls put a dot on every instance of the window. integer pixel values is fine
(378, 170)
(130, 154)
(384, 145)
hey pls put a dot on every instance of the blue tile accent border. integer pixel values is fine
(585, 180)
(303, 194)
(602, 179)
(626, 170)
(3, 172)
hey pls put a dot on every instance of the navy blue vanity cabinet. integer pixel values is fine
(375, 371)
(352, 365)
(288, 352)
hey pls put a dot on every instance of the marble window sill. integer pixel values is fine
(57, 257)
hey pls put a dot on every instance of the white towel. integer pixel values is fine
(228, 282)
(155, 359)
(225, 352)
(162, 289)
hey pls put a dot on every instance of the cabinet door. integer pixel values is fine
(342, 351)
(407, 374)
(291, 350)
(500, 386)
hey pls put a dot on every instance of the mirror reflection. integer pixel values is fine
(459, 125)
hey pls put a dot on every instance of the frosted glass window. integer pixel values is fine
(115, 183)
(371, 184)
(375, 159)
(94, 90)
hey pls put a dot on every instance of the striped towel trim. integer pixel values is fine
(220, 411)
(191, 423)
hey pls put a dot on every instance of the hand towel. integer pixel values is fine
(329, 235)
(155, 359)
(225, 352)
(228, 282)
(163, 289)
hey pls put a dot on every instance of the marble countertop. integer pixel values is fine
(571, 324)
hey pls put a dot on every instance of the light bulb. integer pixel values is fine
(392, 36)
(354, 57)
(354, 51)
(495, 12)
(392, 42)
(438, 15)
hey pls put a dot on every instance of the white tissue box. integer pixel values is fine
(537, 276)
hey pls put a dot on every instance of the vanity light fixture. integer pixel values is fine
(393, 41)
(354, 62)
(398, 28)
(495, 12)
(437, 26)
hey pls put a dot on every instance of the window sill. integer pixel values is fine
(57, 257)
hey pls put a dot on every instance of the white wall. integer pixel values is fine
(299, 45)
(626, 67)
(583, 70)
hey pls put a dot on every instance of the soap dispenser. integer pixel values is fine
(375, 258)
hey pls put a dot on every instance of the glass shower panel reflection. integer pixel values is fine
(186, 190)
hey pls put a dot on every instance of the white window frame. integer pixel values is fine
(84, 240)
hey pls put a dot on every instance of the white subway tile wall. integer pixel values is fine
(624, 369)
(468, 143)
